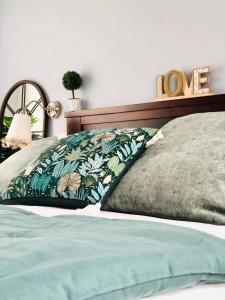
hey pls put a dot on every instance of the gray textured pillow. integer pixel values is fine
(13, 165)
(182, 176)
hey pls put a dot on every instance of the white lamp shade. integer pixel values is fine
(19, 134)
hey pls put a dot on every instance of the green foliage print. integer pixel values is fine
(84, 166)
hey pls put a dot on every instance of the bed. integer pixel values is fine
(197, 292)
(154, 114)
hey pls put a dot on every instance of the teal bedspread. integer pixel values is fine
(76, 257)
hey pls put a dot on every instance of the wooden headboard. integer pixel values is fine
(152, 114)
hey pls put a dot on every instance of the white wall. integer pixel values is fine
(119, 46)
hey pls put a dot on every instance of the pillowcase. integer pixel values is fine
(14, 165)
(180, 177)
(80, 169)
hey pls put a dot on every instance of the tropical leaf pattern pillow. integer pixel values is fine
(80, 169)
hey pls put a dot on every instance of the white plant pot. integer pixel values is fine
(74, 104)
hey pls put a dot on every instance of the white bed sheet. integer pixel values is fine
(206, 292)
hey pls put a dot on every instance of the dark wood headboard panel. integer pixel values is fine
(152, 114)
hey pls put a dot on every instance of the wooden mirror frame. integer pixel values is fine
(5, 105)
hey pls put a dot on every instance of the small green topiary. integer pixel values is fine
(72, 81)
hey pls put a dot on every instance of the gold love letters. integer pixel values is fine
(198, 85)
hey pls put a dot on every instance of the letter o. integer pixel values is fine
(166, 83)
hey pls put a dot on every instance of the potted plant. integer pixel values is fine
(72, 81)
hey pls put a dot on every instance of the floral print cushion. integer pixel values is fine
(78, 170)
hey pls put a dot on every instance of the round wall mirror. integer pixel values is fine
(28, 95)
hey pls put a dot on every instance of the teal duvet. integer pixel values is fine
(76, 257)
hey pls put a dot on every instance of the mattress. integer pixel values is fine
(199, 292)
